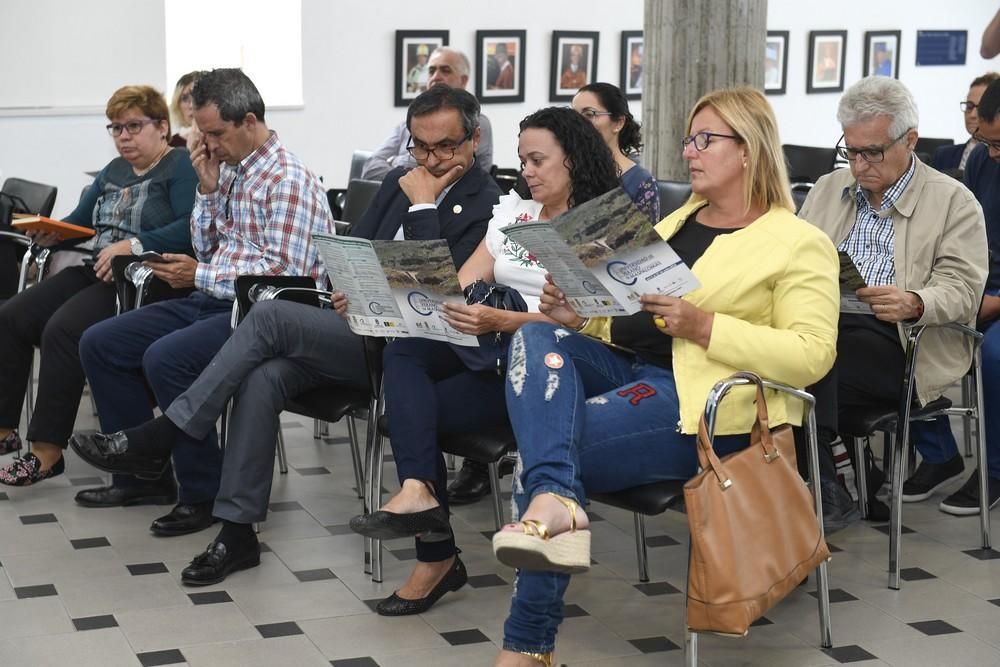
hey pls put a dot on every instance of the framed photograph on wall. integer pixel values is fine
(413, 49)
(826, 61)
(882, 53)
(775, 62)
(500, 65)
(631, 69)
(574, 63)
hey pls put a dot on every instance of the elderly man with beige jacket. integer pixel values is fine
(918, 239)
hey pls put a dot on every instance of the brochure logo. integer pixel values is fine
(420, 303)
(619, 273)
(589, 286)
(376, 307)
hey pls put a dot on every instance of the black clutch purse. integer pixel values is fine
(492, 351)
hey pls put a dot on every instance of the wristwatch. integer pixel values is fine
(136, 245)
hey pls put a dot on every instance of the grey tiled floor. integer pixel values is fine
(68, 595)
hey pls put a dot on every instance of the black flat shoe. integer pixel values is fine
(217, 562)
(111, 453)
(430, 525)
(452, 581)
(184, 519)
(127, 496)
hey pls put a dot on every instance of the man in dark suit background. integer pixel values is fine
(952, 158)
(282, 349)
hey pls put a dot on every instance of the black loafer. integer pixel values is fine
(217, 562)
(126, 496)
(472, 482)
(184, 519)
(430, 525)
(111, 453)
(397, 606)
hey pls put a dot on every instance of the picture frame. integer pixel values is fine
(413, 49)
(630, 75)
(500, 58)
(776, 62)
(882, 53)
(825, 73)
(574, 63)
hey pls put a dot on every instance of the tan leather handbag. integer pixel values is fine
(754, 532)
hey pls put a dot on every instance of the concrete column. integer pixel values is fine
(692, 47)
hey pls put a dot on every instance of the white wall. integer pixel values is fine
(348, 52)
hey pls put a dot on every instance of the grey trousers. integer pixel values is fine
(280, 350)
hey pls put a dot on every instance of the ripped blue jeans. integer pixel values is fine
(585, 417)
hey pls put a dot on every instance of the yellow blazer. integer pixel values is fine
(773, 287)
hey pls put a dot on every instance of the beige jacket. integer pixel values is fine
(940, 254)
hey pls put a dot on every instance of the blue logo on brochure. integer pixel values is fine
(617, 271)
(420, 303)
(589, 286)
(376, 307)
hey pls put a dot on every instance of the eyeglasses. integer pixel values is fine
(441, 151)
(591, 114)
(133, 126)
(967, 106)
(874, 155)
(702, 140)
(995, 145)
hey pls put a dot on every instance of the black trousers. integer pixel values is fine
(868, 370)
(51, 315)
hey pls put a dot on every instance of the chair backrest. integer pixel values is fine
(360, 194)
(245, 282)
(38, 197)
(673, 194)
(358, 160)
(808, 163)
(929, 145)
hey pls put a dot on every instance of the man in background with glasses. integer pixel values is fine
(918, 240)
(446, 67)
(951, 159)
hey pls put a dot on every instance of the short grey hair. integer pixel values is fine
(463, 61)
(875, 96)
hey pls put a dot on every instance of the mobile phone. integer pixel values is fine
(152, 257)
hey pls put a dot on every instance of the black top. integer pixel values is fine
(638, 331)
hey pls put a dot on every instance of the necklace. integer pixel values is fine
(143, 172)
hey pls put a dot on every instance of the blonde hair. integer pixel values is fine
(175, 102)
(751, 118)
(146, 99)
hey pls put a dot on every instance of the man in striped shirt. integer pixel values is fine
(254, 212)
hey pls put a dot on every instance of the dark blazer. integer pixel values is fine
(948, 157)
(461, 218)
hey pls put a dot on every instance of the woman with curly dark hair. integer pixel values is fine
(428, 389)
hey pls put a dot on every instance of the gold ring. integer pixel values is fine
(660, 322)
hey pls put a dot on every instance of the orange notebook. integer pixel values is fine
(65, 230)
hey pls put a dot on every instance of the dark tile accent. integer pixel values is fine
(371, 604)
(505, 495)
(343, 440)
(315, 575)
(850, 653)
(32, 519)
(833, 549)
(405, 554)
(90, 543)
(284, 506)
(763, 620)
(95, 622)
(286, 629)
(486, 581)
(836, 595)
(40, 591)
(594, 516)
(211, 597)
(915, 574)
(137, 569)
(461, 637)
(995, 601)
(264, 549)
(933, 628)
(355, 662)
(656, 588)
(312, 471)
(86, 481)
(291, 425)
(339, 529)
(387, 458)
(654, 644)
(983, 554)
(155, 658)
(3, 496)
(661, 541)
(574, 611)
(488, 534)
(884, 528)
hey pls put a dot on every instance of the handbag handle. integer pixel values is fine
(761, 432)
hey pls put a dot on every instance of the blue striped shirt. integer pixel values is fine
(871, 241)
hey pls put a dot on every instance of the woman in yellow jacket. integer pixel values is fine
(588, 416)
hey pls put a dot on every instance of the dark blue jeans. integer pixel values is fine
(429, 392)
(166, 344)
(585, 417)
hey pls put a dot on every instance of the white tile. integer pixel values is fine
(299, 601)
(109, 595)
(953, 649)
(297, 651)
(94, 648)
(175, 627)
(33, 617)
(353, 636)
